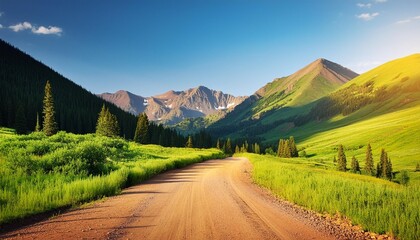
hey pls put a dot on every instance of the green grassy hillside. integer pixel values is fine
(283, 98)
(380, 107)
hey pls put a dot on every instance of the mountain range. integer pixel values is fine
(174, 106)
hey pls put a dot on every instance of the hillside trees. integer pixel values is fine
(369, 167)
(49, 124)
(20, 123)
(341, 160)
(38, 124)
(384, 167)
(107, 124)
(287, 148)
(23, 80)
(141, 134)
(189, 143)
(228, 146)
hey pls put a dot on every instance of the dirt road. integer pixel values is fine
(210, 200)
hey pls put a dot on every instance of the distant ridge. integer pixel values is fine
(174, 106)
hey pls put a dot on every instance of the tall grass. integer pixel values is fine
(37, 173)
(377, 205)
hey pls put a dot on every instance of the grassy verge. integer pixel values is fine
(39, 173)
(377, 205)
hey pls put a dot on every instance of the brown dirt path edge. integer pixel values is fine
(211, 200)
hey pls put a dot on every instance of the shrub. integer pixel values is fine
(93, 154)
(404, 177)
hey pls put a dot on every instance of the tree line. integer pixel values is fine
(383, 167)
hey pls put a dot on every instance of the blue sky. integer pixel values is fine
(237, 46)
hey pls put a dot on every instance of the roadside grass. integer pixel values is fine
(376, 205)
(39, 173)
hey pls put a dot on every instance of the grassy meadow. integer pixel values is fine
(377, 205)
(39, 173)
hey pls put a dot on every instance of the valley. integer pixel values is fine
(321, 153)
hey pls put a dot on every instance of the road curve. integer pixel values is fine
(210, 200)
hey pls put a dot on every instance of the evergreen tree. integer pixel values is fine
(293, 148)
(287, 151)
(257, 148)
(369, 166)
(243, 148)
(355, 165)
(237, 150)
(246, 146)
(107, 124)
(334, 159)
(280, 148)
(228, 148)
(50, 126)
(20, 120)
(383, 162)
(218, 144)
(418, 167)
(342, 162)
(37, 125)
(189, 143)
(141, 134)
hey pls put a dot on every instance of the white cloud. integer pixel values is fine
(403, 21)
(21, 26)
(1, 26)
(408, 20)
(37, 30)
(381, 1)
(47, 30)
(367, 16)
(364, 5)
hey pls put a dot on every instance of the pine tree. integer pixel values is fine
(189, 143)
(287, 151)
(218, 144)
(369, 166)
(20, 120)
(228, 148)
(237, 150)
(50, 126)
(280, 148)
(355, 165)
(293, 148)
(107, 124)
(342, 162)
(382, 164)
(257, 148)
(141, 134)
(38, 125)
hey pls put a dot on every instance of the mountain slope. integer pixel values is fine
(22, 82)
(285, 97)
(380, 107)
(173, 107)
